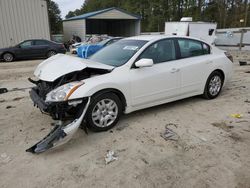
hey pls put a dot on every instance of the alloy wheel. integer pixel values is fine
(8, 57)
(104, 113)
(215, 85)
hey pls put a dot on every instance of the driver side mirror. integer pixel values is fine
(144, 63)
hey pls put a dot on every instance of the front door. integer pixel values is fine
(25, 50)
(159, 82)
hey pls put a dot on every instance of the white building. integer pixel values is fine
(112, 21)
(23, 19)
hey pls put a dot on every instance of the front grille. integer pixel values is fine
(43, 88)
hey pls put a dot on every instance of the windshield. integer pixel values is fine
(118, 53)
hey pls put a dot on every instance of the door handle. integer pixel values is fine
(173, 70)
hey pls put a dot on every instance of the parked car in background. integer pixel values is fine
(30, 49)
(129, 75)
(86, 50)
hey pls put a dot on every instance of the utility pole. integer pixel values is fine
(246, 13)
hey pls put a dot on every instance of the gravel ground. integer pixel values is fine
(209, 149)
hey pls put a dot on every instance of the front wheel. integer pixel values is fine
(214, 85)
(8, 57)
(103, 112)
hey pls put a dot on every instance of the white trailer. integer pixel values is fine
(202, 30)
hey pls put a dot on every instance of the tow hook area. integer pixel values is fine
(59, 135)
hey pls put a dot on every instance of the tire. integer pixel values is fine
(104, 112)
(51, 53)
(8, 57)
(213, 85)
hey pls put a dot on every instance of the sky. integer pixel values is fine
(68, 5)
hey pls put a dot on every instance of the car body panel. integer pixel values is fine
(147, 86)
(64, 64)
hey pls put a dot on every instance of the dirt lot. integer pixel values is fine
(212, 148)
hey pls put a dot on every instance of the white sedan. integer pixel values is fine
(132, 74)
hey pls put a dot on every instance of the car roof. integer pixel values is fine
(157, 37)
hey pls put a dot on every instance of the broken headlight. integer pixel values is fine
(63, 92)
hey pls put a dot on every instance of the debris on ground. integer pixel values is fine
(242, 121)
(236, 137)
(242, 63)
(18, 98)
(169, 134)
(236, 115)
(144, 160)
(223, 125)
(1, 101)
(110, 157)
(8, 107)
(247, 101)
(4, 158)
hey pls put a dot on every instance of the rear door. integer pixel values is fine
(40, 48)
(159, 82)
(196, 62)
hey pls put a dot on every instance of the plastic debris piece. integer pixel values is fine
(169, 135)
(110, 157)
(4, 158)
(236, 115)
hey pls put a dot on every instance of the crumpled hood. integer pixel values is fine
(60, 64)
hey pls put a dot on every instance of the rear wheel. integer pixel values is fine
(214, 85)
(103, 112)
(51, 53)
(8, 57)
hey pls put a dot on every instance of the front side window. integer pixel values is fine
(26, 44)
(161, 51)
(118, 53)
(192, 48)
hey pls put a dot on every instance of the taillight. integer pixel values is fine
(229, 56)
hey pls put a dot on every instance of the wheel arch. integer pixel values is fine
(9, 53)
(220, 71)
(216, 70)
(115, 91)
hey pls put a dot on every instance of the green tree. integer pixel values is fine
(154, 13)
(54, 17)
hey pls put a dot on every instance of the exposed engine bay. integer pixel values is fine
(68, 113)
(61, 110)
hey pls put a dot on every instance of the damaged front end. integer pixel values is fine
(52, 97)
(68, 114)
(61, 133)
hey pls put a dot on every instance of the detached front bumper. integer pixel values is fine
(62, 132)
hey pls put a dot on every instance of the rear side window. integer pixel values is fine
(192, 48)
(40, 42)
(161, 51)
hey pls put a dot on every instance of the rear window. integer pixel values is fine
(192, 48)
